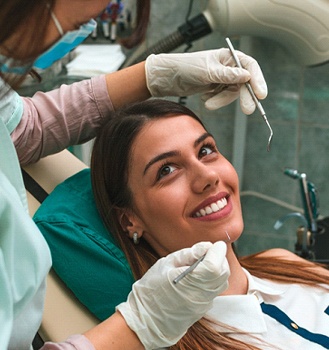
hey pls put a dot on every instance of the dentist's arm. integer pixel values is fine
(212, 73)
(127, 85)
(71, 114)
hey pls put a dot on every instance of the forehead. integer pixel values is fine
(165, 134)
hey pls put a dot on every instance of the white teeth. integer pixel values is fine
(208, 210)
(212, 208)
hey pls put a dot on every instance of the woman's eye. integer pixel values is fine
(205, 150)
(165, 170)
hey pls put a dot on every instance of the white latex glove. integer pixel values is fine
(159, 311)
(213, 73)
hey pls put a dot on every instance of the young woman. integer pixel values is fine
(161, 184)
(35, 33)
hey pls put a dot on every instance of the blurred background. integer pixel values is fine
(296, 107)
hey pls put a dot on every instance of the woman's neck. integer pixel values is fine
(238, 282)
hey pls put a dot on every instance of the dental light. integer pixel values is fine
(301, 26)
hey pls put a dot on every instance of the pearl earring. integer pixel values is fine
(135, 238)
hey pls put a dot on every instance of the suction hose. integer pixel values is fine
(190, 31)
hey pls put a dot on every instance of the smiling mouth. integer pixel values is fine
(212, 208)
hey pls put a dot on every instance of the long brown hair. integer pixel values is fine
(110, 170)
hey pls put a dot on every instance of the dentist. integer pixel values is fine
(35, 34)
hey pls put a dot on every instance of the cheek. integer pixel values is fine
(166, 206)
(231, 176)
(164, 222)
(230, 180)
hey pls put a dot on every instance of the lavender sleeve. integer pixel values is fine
(54, 120)
(74, 342)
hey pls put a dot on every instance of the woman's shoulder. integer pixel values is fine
(281, 253)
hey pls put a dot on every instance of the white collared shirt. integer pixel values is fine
(307, 307)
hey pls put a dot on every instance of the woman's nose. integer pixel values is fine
(204, 177)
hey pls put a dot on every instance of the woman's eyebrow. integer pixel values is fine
(174, 153)
(201, 139)
(160, 157)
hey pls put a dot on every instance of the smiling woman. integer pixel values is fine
(49, 122)
(161, 185)
(175, 171)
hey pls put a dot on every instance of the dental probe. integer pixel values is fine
(251, 91)
(195, 264)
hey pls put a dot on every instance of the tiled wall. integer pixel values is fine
(297, 107)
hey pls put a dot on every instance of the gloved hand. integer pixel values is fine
(213, 73)
(159, 311)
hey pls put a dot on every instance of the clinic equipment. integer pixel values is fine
(251, 91)
(300, 26)
(309, 198)
(313, 234)
(195, 264)
(304, 240)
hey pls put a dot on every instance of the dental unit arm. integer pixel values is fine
(301, 26)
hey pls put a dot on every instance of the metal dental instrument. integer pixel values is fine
(188, 270)
(195, 264)
(251, 91)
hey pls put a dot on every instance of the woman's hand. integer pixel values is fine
(159, 311)
(212, 73)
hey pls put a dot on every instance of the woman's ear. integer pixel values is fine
(130, 223)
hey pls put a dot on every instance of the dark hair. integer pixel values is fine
(109, 170)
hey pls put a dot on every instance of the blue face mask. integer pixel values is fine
(64, 45)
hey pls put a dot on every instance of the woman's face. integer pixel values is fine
(184, 190)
